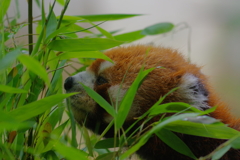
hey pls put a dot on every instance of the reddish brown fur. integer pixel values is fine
(159, 82)
(175, 66)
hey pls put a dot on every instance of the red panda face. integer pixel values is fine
(171, 70)
(112, 80)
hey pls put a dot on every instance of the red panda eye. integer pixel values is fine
(100, 80)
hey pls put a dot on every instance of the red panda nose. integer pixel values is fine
(68, 83)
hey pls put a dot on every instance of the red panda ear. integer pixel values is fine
(193, 91)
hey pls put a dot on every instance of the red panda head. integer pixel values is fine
(112, 80)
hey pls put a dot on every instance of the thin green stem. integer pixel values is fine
(30, 26)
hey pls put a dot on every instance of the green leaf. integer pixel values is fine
(3, 9)
(172, 107)
(67, 28)
(70, 153)
(83, 44)
(107, 143)
(155, 129)
(107, 156)
(218, 154)
(106, 17)
(130, 36)
(5, 36)
(175, 142)
(35, 108)
(9, 122)
(84, 54)
(9, 59)
(87, 140)
(235, 143)
(61, 2)
(73, 141)
(9, 89)
(34, 66)
(158, 28)
(100, 100)
(126, 103)
(57, 76)
(216, 130)
(52, 24)
(104, 32)
(56, 133)
(36, 87)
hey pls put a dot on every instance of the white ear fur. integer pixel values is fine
(194, 92)
(104, 65)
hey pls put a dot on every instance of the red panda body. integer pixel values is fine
(112, 80)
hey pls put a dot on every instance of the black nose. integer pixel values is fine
(68, 83)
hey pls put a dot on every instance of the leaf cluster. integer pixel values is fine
(32, 98)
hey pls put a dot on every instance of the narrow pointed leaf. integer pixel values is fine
(70, 153)
(3, 9)
(100, 100)
(8, 89)
(35, 108)
(84, 54)
(175, 142)
(34, 66)
(130, 36)
(217, 130)
(107, 17)
(158, 28)
(83, 44)
(8, 60)
(129, 97)
(155, 129)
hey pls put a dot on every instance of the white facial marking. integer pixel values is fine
(193, 91)
(104, 65)
(116, 94)
(108, 118)
(82, 102)
(85, 77)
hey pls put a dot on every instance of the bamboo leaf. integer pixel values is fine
(35, 67)
(100, 100)
(35, 108)
(56, 133)
(9, 122)
(52, 24)
(9, 89)
(217, 130)
(155, 129)
(130, 36)
(175, 142)
(158, 28)
(84, 54)
(172, 107)
(129, 97)
(3, 9)
(83, 44)
(100, 17)
(218, 154)
(70, 153)
(8, 60)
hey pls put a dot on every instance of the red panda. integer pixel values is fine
(172, 71)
